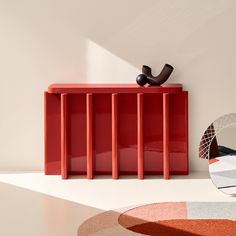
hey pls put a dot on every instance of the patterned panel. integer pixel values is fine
(211, 132)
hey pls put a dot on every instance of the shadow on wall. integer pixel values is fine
(140, 32)
(156, 32)
(42, 44)
(79, 41)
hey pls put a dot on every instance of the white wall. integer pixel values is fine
(107, 41)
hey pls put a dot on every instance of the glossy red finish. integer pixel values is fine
(127, 133)
(140, 134)
(114, 137)
(114, 88)
(115, 129)
(77, 148)
(178, 132)
(166, 135)
(89, 132)
(64, 163)
(52, 134)
(102, 133)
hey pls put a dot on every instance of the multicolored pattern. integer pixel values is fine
(223, 173)
(165, 219)
(212, 130)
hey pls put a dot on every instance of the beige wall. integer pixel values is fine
(107, 41)
(226, 137)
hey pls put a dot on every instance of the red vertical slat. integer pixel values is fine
(166, 136)
(89, 136)
(186, 128)
(140, 134)
(114, 137)
(64, 172)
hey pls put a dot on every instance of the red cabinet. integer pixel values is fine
(116, 129)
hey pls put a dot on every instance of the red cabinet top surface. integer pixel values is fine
(113, 88)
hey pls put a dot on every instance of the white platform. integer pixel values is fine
(105, 193)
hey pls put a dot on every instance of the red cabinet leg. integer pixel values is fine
(140, 134)
(89, 136)
(166, 136)
(114, 137)
(64, 164)
(52, 134)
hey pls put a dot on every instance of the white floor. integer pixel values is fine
(64, 204)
